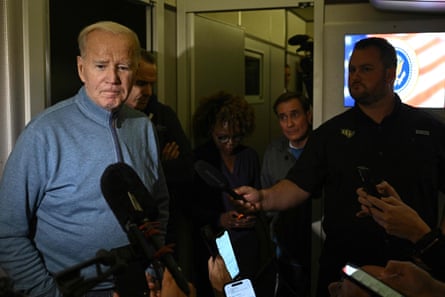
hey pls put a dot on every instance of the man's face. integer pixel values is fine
(369, 81)
(107, 68)
(295, 123)
(143, 86)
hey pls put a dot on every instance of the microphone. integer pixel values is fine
(134, 206)
(214, 178)
(116, 182)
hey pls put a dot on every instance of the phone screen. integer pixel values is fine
(226, 251)
(241, 288)
(369, 282)
(369, 181)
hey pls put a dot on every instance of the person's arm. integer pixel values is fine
(411, 281)
(20, 193)
(283, 195)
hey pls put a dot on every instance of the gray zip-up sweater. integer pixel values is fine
(52, 181)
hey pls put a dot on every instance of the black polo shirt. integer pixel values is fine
(407, 149)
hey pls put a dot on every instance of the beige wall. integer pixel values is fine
(267, 32)
(267, 25)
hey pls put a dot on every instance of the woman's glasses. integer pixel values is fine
(225, 138)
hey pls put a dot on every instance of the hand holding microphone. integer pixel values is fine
(135, 208)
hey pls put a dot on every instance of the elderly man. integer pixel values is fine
(52, 211)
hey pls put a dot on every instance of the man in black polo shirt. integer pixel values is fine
(402, 145)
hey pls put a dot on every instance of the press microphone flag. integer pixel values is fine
(134, 206)
(116, 182)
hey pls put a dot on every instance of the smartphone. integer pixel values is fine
(369, 181)
(239, 288)
(225, 249)
(369, 282)
(209, 238)
(156, 272)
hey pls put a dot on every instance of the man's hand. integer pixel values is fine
(390, 212)
(347, 288)
(410, 280)
(252, 196)
(218, 273)
(170, 151)
(169, 288)
(233, 219)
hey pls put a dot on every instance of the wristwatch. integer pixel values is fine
(427, 242)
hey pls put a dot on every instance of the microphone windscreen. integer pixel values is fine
(117, 183)
(120, 185)
(214, 178)
(210, 175)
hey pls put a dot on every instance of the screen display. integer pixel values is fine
(226, 251)
(241, 288)
(420, 79)
(369, 282)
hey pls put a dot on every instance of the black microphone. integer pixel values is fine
(134, 206)
(214, 178)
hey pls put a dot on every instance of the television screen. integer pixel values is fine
(420, 77)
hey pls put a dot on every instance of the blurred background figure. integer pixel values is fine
(176, 154)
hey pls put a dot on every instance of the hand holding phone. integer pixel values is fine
(221, 245)
(226, 251)
(239, 288)
(368, 282)
(369, 181)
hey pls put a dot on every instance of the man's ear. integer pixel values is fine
(80, 68)
(391, 76)
(310, 116)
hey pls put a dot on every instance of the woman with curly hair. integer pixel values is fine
(220, 123)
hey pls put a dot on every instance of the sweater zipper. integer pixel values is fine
(113, 120)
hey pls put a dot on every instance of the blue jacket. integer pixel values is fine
(52, 181)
